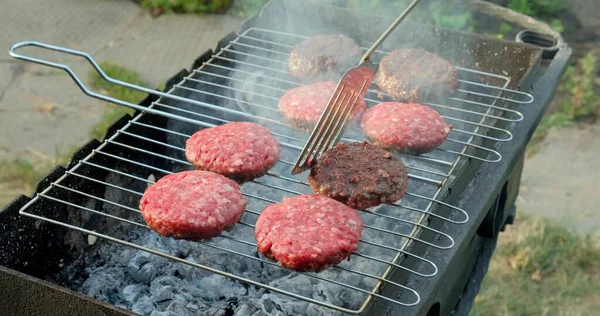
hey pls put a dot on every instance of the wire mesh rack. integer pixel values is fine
(244, 81)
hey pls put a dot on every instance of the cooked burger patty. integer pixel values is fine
(192, 205)
(308, 232)
(359, 175)
(412, 74)
(302, 106)
(321, 54)
(239, 150)
(406, 127)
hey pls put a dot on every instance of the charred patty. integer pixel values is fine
(359, 175)
(322, 54)
(412, 74)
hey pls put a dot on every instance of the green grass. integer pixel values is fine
(540, 268)
(577, 99)
(115, 112)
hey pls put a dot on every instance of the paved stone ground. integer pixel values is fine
(43, 109)
(560, 182)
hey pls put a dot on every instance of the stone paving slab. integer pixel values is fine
(43, 109)
(560, 182)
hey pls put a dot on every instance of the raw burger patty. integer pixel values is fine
(241, 151)
(412, 74)
(303, 106)
(308, 232)
(192, 205)
(406, 127)
(323, 53)
(360, 175)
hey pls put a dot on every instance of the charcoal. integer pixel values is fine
(243, 310)
(131, 292)
(165, 313)
(103, 285)
(143, 306)
(164, 293)
(295, 283)
(178, 306)
(286, 304)
(216, 287)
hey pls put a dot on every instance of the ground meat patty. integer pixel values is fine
(359, 175)
(302, 106)
(308, 232)
(321, 54)
(406, 127)
(239, 150)
(192, 205)
(412, 74)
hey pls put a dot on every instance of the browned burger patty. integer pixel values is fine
(412, 74)
(322, 53)
(360, 175)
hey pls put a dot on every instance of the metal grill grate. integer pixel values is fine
(243, 81)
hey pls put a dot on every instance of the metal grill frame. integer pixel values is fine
(134, 121)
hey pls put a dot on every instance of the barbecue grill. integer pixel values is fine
(425, 254)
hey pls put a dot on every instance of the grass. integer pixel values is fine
(115, 112)
(540, 268)
(576, 101)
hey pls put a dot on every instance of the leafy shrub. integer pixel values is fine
(536, 8)
(188, 6)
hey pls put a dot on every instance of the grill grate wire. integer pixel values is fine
(238, 60)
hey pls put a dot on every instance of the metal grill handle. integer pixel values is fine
(106, 77)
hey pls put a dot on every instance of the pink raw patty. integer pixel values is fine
(308, 232)
(192, 205)
(303, 106)
(241, 151)
(408, 127)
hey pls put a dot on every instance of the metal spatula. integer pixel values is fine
(350, 89)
